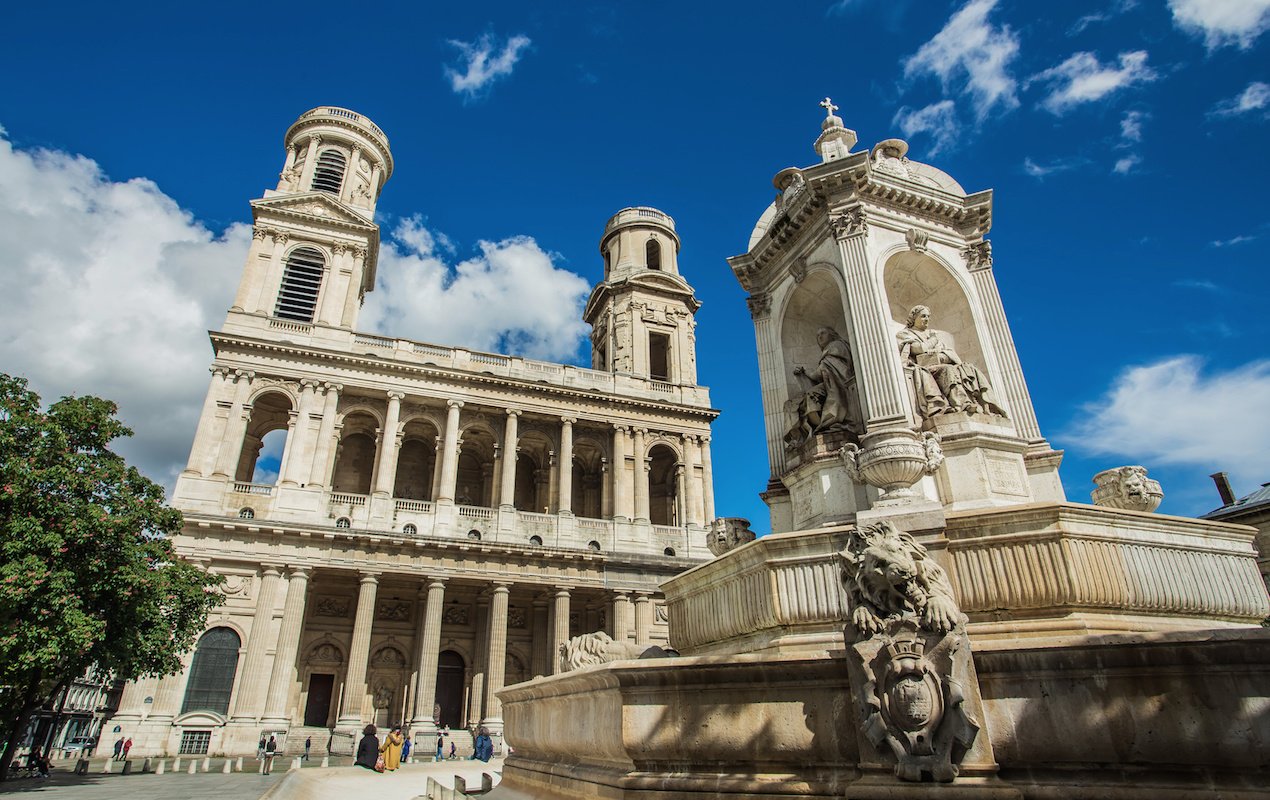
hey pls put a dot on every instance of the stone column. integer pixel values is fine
(319, 474)
(496, 657)
(885, 400)
(541, 655)
(1010, 377)
(295, 470)
(507, 476)
(353, 295)
(450, 455)
(310, 161)
(346, 191)
(429, 656)
(692, 486)
(707, 482)
(386, 475)
(168, 694)
(617, 469)
(621, 616)
(564, 504)
(606, 489)
(249, 284)
(375, 170)
(560, 630)
(203, 452)
(231, 445)
(480, 664)
(266, 298)
(641, 477)
(288, 645)
(248, 702)
(359, 653)
(438, 460)
(132, 704)
(643, 617)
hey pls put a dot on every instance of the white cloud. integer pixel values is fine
(1222, 22)
(1241, 239)
(1041, 171)
(937, 119)
(480, 66)
(1114, 10)
(1131, 126)
(110, 288)
(1173, 412)
(971, 49)
(1254, 98)
(840, 7)
(1124, 166)
(509, 298)
(1083, 79)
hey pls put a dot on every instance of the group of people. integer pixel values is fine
(266, 750)
(122, 746)
(395, 748)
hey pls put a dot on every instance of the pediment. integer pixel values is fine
(317, 206)
(200, 719)
(662, 281)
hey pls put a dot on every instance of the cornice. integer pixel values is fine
(386, 366)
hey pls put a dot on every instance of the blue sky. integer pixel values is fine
(1124, 141)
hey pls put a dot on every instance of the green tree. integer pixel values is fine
(88, 574)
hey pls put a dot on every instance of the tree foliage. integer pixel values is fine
(88, 574)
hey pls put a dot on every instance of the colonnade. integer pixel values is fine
(312, 446)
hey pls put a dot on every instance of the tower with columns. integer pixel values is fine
(438, 520)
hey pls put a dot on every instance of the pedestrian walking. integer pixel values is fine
(454, 751)
(308, 743)
(440, 746)
(127, 745)
(391, 748)
(271, 747)
(405, 749)
(118, 748)
(260, 749)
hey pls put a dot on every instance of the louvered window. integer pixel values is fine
(301, 282)
(328, 175)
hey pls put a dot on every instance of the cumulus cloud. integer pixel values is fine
(1042, 170)
(1175, 412)
(1222, 22)
(510, 297)
(1254, 98)
(937, 119)
(479, 64)
(110, 288)
(971, 56)
(1082, 78)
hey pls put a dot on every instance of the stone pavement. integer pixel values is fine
(312, 783)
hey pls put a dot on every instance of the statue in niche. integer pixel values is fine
(829, 402)
(942, 382)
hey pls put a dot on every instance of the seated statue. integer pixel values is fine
(942, 383)
(829, 402)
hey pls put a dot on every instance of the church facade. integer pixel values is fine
(442, 519)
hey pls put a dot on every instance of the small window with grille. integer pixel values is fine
(301, 283)
(195, 743)
(410, 529)
(328, 174)
(536, 541)
(343, 522)
(593, 545)
(247, 513)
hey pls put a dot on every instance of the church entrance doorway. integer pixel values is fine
(450, 676)
(318, 709)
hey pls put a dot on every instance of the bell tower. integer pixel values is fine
(642, 313)
(315, 245)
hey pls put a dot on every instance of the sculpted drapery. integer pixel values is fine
(942, 383)
(830, 402)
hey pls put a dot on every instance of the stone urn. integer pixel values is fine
(892, 461)
(1127, 488)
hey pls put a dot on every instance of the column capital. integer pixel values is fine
(368, 577)
(244, 375)
(315, 139)
(333, 387)
(296, 571)
(219, 371)
(500, 587)
(568, 420)
(309, 383)
(399, 396)
(562, 591)
(513, 412)
(620, 428)
(454, 403)
(270, 569)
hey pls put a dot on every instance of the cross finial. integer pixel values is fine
(828, 106)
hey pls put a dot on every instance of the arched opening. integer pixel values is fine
(608, 263)
(658, 356)
(449, 702)
(355, 457)
(328, 173)
(535, 540)
(386, 679)
(663, 489)
(247, 513)
(531, 479)
(416, 462)
(593, 546)
(212, 672)
(343, 523)
(265, 442)
(652, 254)
(474, 481)
(474, 535)
(301, 285)
(588, 478)
(324, 662)
(410, 529)
(669, 551)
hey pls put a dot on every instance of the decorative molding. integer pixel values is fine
(850, 222)
(978, 255)
(759, 304)
(916, 240)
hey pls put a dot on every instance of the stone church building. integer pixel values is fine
(442, 519)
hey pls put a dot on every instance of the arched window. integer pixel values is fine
(410, 529)
(212, 672)
(474, 535)
(535, 540)
(593, 545)
(652, 254)
(246, 513)
(670, 551)
(343, 522)
(328, 175)
(301, 282)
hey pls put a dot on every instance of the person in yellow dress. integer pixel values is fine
(391, 748)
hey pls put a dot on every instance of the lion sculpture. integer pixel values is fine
(599, 648)
(888, 575)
